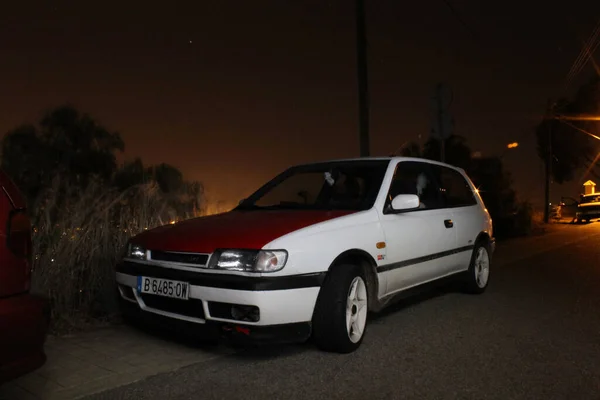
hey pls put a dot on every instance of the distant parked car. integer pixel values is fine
(588, 207)
(23, 317)
(313, 250)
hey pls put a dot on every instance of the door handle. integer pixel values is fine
(448, 223)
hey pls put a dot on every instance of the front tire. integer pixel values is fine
(340, 318)
(478, 275)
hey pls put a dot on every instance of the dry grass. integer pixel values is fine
(79, 237)
(218, 207)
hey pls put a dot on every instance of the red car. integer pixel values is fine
(23, 316)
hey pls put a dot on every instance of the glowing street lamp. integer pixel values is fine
(512, 145)
(564, 119)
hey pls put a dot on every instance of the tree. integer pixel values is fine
(84, 207)
(169, 178)
(25, 158)
(458, 152)
(131, 174)
(412, 149)
(184, 197)
(66, 142)
(571, 148)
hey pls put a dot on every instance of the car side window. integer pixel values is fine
(413, 177)
(568, 201)
(454, 188)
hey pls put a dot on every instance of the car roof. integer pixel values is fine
(394, 158)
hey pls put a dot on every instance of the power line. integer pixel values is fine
(564, 121)
(583, 54)
(587, 50)
(459, 19)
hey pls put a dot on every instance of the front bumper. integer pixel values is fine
(588, 214)
(282, 305)
(235, 333)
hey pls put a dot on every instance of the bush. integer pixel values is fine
(524, 219)
(78, 237)
(516, 224)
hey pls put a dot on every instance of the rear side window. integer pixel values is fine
(454, 188)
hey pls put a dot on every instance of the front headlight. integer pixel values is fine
(135, 251)
(249, 260)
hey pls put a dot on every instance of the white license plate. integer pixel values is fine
(164, 287)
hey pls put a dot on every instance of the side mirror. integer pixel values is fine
(404, 202)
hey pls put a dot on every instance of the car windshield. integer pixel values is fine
(590, 199)
(341, 185)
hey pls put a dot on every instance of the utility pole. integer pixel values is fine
(440, 116)
(363, 92)
(442, 120)
(548, 164)
(548, 174)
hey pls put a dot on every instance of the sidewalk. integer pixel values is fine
(91, 362)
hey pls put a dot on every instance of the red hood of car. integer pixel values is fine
(234, 229)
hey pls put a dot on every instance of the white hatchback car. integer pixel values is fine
(313, 250)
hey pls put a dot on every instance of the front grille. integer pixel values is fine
(189, 308)
(184, 258)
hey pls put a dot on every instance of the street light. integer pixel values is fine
(549, 155)
(512, 145)
(564, 119)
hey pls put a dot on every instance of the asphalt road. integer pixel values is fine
(535, 334)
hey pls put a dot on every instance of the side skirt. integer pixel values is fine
(414, 291)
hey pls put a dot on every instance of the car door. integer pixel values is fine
(467, 215)
(417, 242)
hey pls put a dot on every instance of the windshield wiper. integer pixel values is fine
(248, 207)
(284, 205)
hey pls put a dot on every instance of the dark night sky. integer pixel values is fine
(232, 92)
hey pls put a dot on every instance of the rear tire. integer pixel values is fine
(478, 275)
(340, 317)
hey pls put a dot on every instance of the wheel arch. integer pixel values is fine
(367, 263)
(483, 237)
